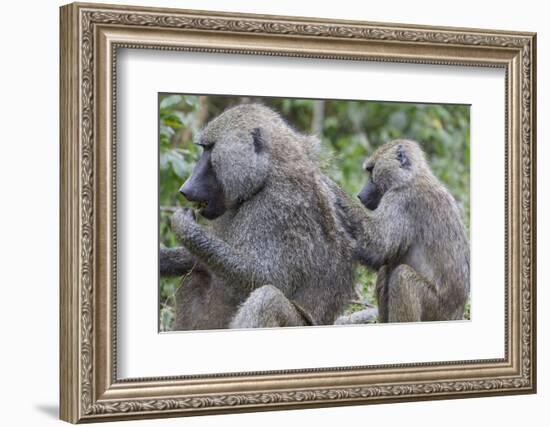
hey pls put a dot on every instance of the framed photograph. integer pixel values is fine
(267, 212)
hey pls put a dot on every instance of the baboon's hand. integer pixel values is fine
(183, 220)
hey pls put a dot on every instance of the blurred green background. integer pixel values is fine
(349, 131)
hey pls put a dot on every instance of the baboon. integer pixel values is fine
(196, 294)
(176, 262)
(414, 237)
(277, 251)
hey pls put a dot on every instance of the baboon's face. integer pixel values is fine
(371, 194)
(388, 167)
(234, 166)
(204, 189)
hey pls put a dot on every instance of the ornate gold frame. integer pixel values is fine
(90, 36)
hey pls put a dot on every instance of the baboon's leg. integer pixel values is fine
(382, 294)
(202, 303)
(191, 305)
(368, 315)
(267, 307)
(409, 295)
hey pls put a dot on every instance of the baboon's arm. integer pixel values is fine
(379, 235)
(386, 232)
(176, 261)
(223, 260)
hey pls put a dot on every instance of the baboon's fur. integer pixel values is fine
(281, 254)
(415, 238)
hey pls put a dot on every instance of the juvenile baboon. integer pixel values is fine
(414, 237)
(277, 251)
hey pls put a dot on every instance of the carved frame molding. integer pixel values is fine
(90, 37)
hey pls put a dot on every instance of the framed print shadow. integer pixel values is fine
(266, 212)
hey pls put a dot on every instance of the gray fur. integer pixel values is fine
(280, 254)
(416, 238)
(176, 261)
(267, 307)
(367, 315)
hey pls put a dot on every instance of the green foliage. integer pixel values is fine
(349, 132)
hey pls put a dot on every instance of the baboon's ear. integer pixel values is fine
(258, 140)
(402, 157)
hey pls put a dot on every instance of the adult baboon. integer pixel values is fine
(414, 237)
(277, 252)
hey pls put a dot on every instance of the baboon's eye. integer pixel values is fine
(402, 158)
(258, 140)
